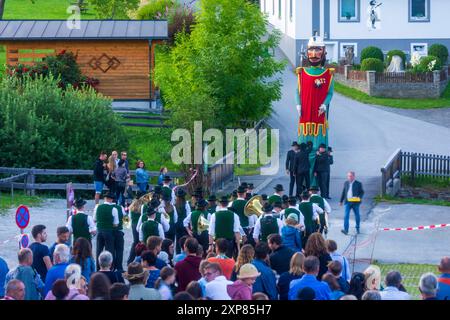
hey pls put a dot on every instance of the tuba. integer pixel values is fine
(254, 206)
(146, 198)
(126, 221)
(202, 224)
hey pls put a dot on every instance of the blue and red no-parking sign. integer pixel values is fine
(24, 241)
(22, 217)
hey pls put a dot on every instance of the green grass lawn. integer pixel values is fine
(7, 202)
(410, 273)
(42, 9)
(424, 182)
(357, 95)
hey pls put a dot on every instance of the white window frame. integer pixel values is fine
(357, 17)
(419, 19)
(342, 50)
(424, 44)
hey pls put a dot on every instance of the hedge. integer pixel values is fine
(440, 51)
(372, 52)
(425, 64)
(372, 64)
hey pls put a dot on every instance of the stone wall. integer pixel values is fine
(415, 90)
(424, 193)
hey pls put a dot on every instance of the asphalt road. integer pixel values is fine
(363, 137)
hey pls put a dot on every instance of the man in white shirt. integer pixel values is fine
(216, 288)
(391, 292)
(150, 227)
(157, 205)
(267, 224)
(225, 224)
(85, 226)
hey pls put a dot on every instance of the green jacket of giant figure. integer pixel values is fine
(313, 96)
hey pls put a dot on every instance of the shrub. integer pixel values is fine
(372, 52)
(372, 64)
(440, 51)
(43, 126)
(428, 63)
(399, 53)
(63, 66)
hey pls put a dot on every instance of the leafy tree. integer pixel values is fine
(223, 68)
(114, 9)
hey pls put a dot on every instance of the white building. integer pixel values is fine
(408, 25)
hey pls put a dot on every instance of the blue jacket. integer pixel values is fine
(321, 289)
(3, 272)
(266, 282)
(55, 273)
(291, 238)
(141, 176)
(444, 287)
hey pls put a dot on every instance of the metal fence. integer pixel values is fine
(405, 77)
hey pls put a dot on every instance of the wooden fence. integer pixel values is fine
(357, 75)
(29, 179)
(414, 165)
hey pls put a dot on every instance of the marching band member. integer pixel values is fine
(267, 224)
(323, 204)
(310, 212)
(167, 189)
(150, 227)
(183, 210)
(191, 223)
(166, 208)
(225, 224)
(276, 197)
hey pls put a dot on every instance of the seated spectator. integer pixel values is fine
(348, 297)
(335, 268)
(165, 282)
(15, 290)
(336, 291)
(137, 277)
(246, 255)
(242, 289)
(105, 260)
(61, 257)
(316, 246)
(311, 267)
(75, 283)
(373, 278)
(216, 288)
(195, 290)
(281, 255)
(391, 292)
(295, 272)
(202, 270)
(140, 247)
(357, 285)
(306, 294)
(290, 234)
(183, 254)
(188, 269)
(371, 295)
(444, 279)
(335, 256)
(225, 262)
(167, 251)
(99, 287)
(149, 264)
(3, 272)
(82, 255)
(428, 286)
(154, 245)
(119, 291)
(24, 272)
(60, 289)
(183, 295)
(266, 282)
(259, 296)
(62, 237)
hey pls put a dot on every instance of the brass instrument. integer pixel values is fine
(126, 221)
(202, 224)
(166, 216)
(254, 206)
(146, 198)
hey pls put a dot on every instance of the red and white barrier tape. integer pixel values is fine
(433, 226)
